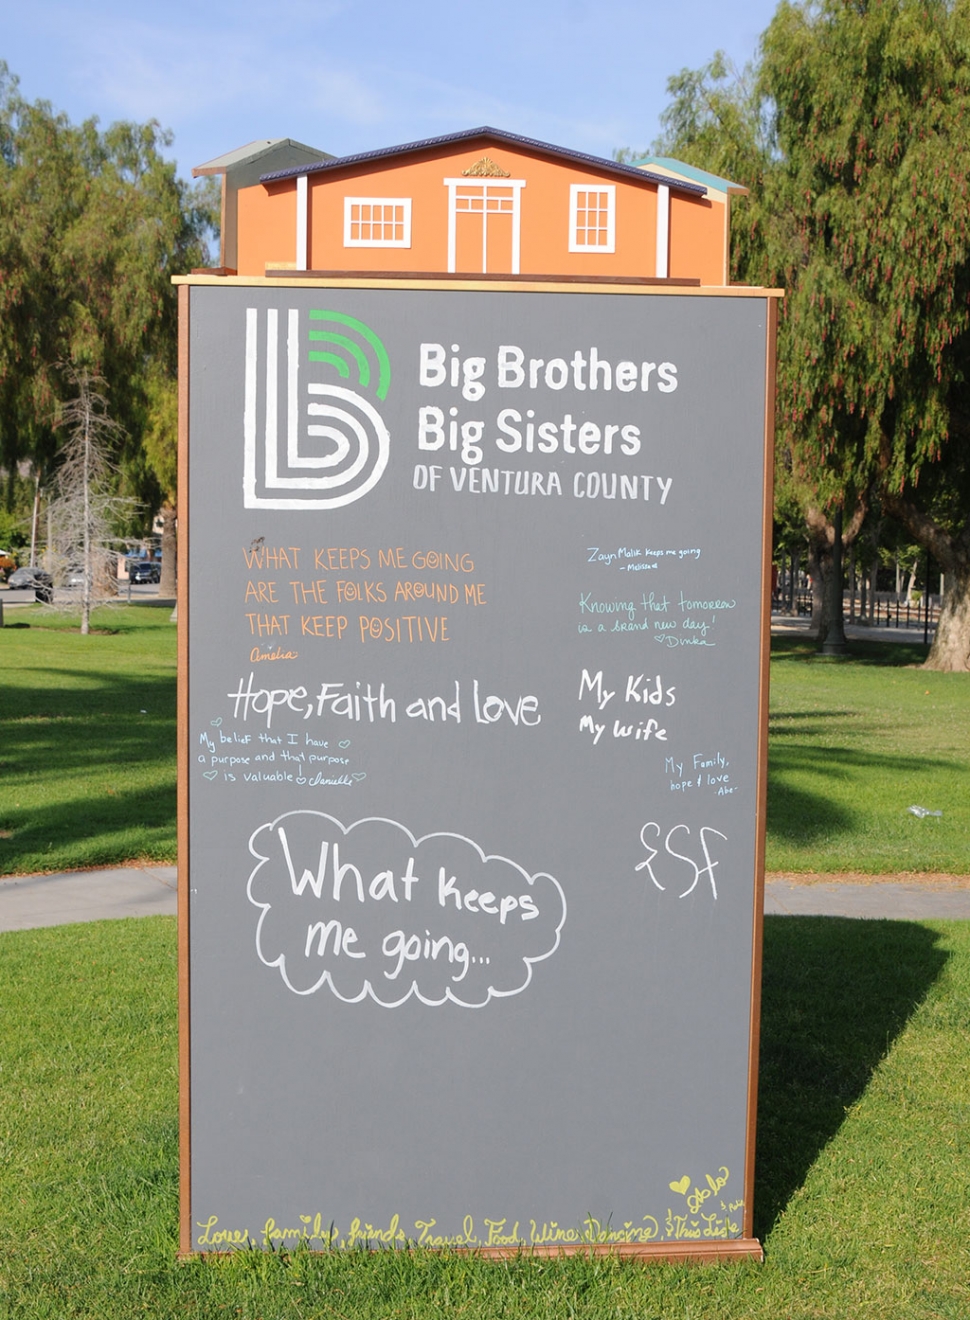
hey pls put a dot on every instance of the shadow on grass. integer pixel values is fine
(836, 993)
(898, 655)
(798, 815)
(106, 828)
(100, 718)
(70, 753)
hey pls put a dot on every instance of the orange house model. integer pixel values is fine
(483, 203)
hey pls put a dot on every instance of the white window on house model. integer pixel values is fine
(377, 222)
(592, 218)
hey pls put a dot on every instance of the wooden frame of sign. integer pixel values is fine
(474, 612)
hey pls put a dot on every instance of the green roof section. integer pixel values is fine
(257, 151)
(689, 172)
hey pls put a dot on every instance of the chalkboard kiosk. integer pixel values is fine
(472, 763)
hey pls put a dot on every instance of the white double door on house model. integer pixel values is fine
(484, 225)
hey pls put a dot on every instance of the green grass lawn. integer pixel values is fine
(863, 1162)
(854, 743)
(87, 739)
(87, 751)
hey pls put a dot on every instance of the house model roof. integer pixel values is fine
(676, 170)
(500, 137)
(253, 152)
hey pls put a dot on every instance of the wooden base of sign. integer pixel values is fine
(660, 1253)
(649, 1253)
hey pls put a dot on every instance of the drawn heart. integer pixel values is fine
(216, 723)
(681, 1186)
(345, 743)
(358, 775)
(209, 774)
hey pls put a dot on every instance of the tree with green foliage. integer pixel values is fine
(871, 196)
(160, 447)
(860, 208)
(93, 225)
(718, 118)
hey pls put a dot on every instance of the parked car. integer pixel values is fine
(36, 578)
(146, 570)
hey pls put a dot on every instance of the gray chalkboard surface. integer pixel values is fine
(475, 595)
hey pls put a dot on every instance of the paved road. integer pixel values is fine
(134, 891)
(785, 625)
(140, 591)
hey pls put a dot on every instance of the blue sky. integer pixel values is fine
(345, 76)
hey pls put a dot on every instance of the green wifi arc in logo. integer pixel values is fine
(353, 348)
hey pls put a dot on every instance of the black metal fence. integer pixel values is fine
(887, 610)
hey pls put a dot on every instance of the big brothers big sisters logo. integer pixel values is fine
(309, 441)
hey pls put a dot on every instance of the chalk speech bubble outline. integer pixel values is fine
(413, 990)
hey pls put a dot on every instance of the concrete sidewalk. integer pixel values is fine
(135, 891)
(59, 900)
(904, 902)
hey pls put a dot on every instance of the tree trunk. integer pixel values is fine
(875, 535)
(827, 625)
(815, 580)
(950, 651)
(33, 520)
(87, 585)
(825, 541)
(166, 585)
(833, 642)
